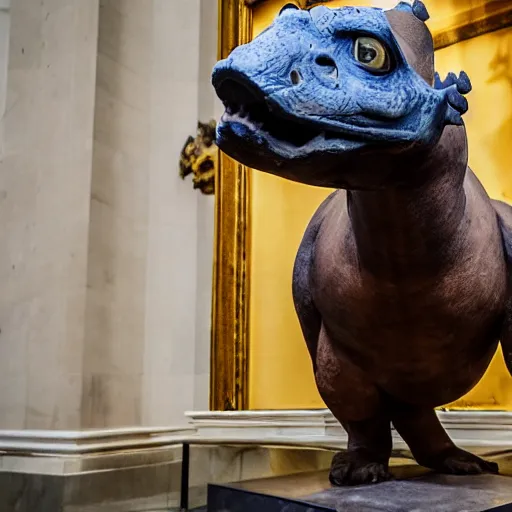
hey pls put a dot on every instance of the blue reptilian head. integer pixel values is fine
(323, 92)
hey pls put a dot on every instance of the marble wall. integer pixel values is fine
(107, 253)
(5, 29)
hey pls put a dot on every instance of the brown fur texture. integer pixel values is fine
(402, 308)
(402, 294)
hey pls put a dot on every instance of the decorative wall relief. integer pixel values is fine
(199, 157)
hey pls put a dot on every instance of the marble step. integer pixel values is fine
(415, 491)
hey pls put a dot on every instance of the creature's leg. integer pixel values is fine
(357, 405)
(430, 445)
(367, 457)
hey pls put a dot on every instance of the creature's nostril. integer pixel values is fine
(295, 77)
(328, 65)
(325, 61)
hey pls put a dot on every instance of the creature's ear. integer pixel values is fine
(417, 8)
(288, 6)
(456, 88)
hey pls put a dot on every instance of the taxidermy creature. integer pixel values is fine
(402, 280)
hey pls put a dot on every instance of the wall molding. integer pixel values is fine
(83, 442)
(64, 451)
(485, 431)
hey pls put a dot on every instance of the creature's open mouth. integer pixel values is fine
(246, 105)
(259, 117)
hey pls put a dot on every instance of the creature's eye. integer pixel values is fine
(289, 6)
(372, 54)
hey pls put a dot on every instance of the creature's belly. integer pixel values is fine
(440, 376)
(430, 369)
(423, 351)
(421, 332)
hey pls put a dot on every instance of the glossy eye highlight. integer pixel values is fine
(372, 54)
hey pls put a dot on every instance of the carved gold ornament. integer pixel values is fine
(199, 157)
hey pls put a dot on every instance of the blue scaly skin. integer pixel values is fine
(309, 101)
(402, 280)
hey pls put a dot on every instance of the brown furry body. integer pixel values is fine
(402, 296)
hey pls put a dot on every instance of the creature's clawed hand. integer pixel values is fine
(417, 8)
(456, 88)
(356, 468)
(456, 461)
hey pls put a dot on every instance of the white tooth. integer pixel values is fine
(319, 138)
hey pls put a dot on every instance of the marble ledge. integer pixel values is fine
(482, 432)
(487, 430)
(76, 442)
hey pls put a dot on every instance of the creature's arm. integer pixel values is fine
(309, 317)
(505, 219)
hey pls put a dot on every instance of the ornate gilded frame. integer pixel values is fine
(230, 313)
(231, 286)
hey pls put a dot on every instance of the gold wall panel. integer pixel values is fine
(280, 375)
(487, 59)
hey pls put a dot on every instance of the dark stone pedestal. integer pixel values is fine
(311, 493)
(229, 499)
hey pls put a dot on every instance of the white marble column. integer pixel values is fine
(45, 176)
(118, 229)
(149, 288)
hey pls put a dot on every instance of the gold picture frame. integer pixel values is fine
(230, 308)
(231, 286)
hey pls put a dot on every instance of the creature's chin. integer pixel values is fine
(240, 131)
